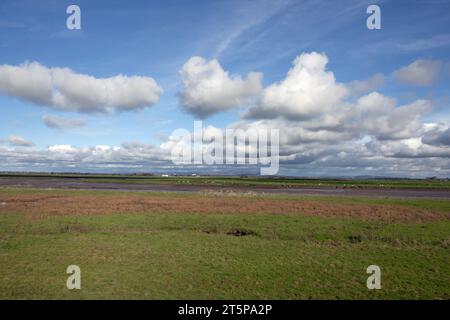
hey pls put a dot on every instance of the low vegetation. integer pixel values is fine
(159, 251)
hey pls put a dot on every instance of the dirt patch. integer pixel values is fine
(355, 239)
(241, 233)
(40, 206)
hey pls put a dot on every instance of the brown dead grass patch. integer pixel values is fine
(40, 206)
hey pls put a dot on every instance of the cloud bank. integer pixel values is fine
(348, 128)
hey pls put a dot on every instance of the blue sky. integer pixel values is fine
(155, 39)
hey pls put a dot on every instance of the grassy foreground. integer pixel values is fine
(200, 256)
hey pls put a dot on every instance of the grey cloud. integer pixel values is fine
(419, 73)
(56, 122)
(437, 41)
(358, 87)
(437, 138)
(19, 141)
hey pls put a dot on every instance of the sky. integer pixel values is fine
(347, 100)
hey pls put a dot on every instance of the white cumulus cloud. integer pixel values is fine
(208, 88)
(62, 88)
(308, 90)
(61, 148)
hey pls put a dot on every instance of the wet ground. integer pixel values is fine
(73, 183)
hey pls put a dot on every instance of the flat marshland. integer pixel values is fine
(216, 245)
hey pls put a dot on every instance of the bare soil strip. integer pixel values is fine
(41, 206)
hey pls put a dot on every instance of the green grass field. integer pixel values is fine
(198, 256)
(278, 183)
